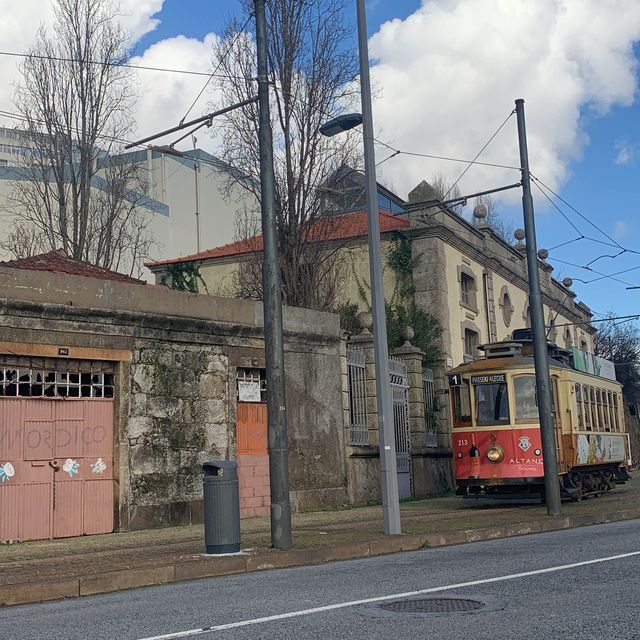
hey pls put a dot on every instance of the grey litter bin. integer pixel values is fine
(221, 502)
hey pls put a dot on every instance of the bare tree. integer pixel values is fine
(445, 190)
(620, 342)
(75, 98)
(311, 71)
(504, 228)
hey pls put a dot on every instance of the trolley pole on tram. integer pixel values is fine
(540, 353)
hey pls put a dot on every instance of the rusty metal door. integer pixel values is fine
(56, 460)
(252, 444)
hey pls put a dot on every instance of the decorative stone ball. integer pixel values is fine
(543, 254)
(519, 234)
(480, 212)
(567, 282)
(408, 334)
(366, 320)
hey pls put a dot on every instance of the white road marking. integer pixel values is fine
(396, 596)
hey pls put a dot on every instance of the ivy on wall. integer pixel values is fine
(401, 309)
(185, 276)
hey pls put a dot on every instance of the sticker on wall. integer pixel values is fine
(71, 467)
(6, 471)
(99, 466)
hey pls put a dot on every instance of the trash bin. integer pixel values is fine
(221, 502)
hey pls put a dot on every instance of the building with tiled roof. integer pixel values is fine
(184, 204)
(472, 280)
(58, 262)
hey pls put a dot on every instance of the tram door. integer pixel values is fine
(557, 423)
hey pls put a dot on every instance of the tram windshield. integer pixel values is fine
(492, 403)
(461, 405)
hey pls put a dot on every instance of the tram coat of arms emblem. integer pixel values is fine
(524, 443)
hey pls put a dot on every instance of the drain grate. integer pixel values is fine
(432, 605)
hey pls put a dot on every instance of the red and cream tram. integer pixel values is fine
(497, 444)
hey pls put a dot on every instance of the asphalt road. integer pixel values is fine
(524, 586)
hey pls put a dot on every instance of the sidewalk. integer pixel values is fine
(37, 571)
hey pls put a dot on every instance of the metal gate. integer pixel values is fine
(400, 395)
(430, 427)
(56, 449)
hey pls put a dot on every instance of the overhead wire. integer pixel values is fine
(612, 241)
(212, 75)
(124, 65)
(498, 130)
(603, 276)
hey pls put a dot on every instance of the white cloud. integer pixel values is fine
(164, 98)
(620, 229)
(625, 152)
(450, 72)
(20, 22)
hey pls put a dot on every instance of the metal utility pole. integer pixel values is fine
(195, 173)
(272, 303)
(540, 353)
(388, 472)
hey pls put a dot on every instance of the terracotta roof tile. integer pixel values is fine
(339, 227)
(59, 262)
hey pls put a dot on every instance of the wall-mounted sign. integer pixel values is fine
(63, 351)
(249, 391)
(442, 392)
(496, 378)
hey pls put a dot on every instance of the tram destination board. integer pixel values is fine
(491, 379)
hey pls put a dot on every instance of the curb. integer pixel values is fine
(32, 592)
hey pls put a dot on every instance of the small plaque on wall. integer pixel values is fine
(249, 391)
(63, 351)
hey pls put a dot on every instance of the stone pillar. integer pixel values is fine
(364, 341)
(363, 462)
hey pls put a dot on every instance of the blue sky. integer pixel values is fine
(196, 18)
(596, 169)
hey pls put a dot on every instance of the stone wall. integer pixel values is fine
(176, 357)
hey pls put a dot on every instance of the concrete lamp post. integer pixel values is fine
(388, 471)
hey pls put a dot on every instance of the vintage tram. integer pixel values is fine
(497, 444)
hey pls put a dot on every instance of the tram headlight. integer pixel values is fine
(495, 453)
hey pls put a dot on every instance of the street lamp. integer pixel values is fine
(388, 472)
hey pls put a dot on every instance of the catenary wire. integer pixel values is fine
(446, 158)
(614, 242)
(213, 74)
(603, 276)
(125, 65)
(489, 141)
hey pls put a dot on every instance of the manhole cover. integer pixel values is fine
(432, 605)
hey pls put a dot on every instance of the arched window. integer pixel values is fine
(568, 341)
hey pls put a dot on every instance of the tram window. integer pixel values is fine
(594, 409)
(526, 398)
(605, 411)
(462, 405)
(578, 392)
(587, 410)
(492, 403)
(612, 413)
(600, 422)
(615, 412)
